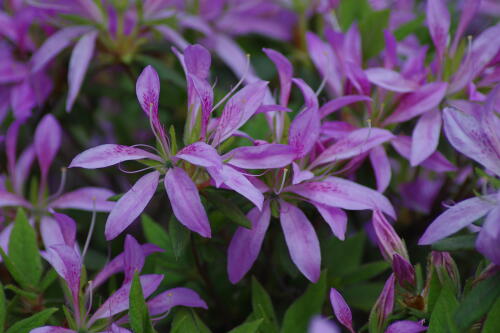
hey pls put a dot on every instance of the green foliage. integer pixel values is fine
(23, 249)
(250, 327)
(442, 314)
(179, 236)
(299, 314)
(187, 321)
(138, 310)
(3, 308)
(36, 320)
(372, 32)
(263, 307)
(455, 243)
(228, 208)
(492, 322)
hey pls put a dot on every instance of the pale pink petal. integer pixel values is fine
(390, 80)
(341, 309)
(381, 166)
(10, 199)
(300, 175)
(175, 297)
(425, 137)
(201, 154)
(335, 217)
(265, 156)
(47, 142)
(131, 204)
(133, 258)
(438, 20)
(285, 73)
(86, 198)
(339, 103)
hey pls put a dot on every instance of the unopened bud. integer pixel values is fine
(388, 240)
(404, 271)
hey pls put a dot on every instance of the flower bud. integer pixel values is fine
(388, 240)
(384, 305)
(446, 268)
(404, 271)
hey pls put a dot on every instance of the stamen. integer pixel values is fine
(61, 185)
(134, 171)
(283, 179)
(147, 146)
(91, 229)
(162, 140)
(243, 77)
(91, 291)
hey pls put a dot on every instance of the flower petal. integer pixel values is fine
(406, 326)
(246, 243)
(354, 144)
(175, 297)
(109, 154)
(68, 228)
(457, 217)
(54, 45)
(78, 64)
(425, 137)
(466, 132)
(47, 142)
(51, 232)
(265, 156)
(197, 60)
(341, 309)
(488, 240)
(86, 198)
(322, 325)
(201, 154)
(239, 183)
(285, 73)
(382, 167)
(342, 193)
(335, 217)
(51, 329)
(339, 103)
(390, 80)
(185, 201)
(301, 240)
(147, 89)
(300, 175)
(10, 199)
(420, 101)
(438, 20)
(119, 301)
(131, 204)
(133, 258)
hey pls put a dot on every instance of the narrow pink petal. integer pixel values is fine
(239, 109)
(197, 60)
(10, 199)
(420, 101)
(406, 326)
(342, 193)
(22, 99)
(341, 309)
(147, 89)
(438, 20)
(469, 9)
(51, 329)
(54, 45)
(300, 175)
(68, 228)
(86, 198)
(355, 143)
(78, 64)
(175, 297)
(381, 166)
(335, 217)
(322, 325)
(391, 54)
(51, 232)
(425, 137)
(285, 73)
(186, 203)
(457, 217)
(336, 129)
(488, 240)
(339, 103)
(109, 154)
(22, 169)
(435, 162)
(119, 301)
(68, 264)
(301, 240)
(236, 181)
(305, 127)
(265, 156)
(205, 94)
(131, 205)
(470, 135)
(201, 154)
(47, 142)
(117, 264)
(390, 80)
(246, 244)
(133, 258)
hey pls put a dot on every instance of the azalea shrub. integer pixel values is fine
(249, 166)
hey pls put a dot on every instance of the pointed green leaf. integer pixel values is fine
(477, 302)
(229, 209)
(372, 28)
(263, 307)
(23, 249)
(155, 233)
(456, 243)
(250, 327)
(37, 320)
(3, 308)
(299, 314)
(442, 315)
(492, 322)
(13, 270)
(138, 311)
(179, 236)
(187, 321)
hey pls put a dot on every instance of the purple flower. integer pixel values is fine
(341, 309)
(406, 326)
(389, 242)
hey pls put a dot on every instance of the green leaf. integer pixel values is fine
(455, 243)
(250, 327)
(13, 270)
(263, 307)
(229, 209)
(343, 256)
(187, 321)
(441, 316)
(477, 302)
(365, 272)
(493, 180)
(349, 11)
(179, 236)
(362, 296)
(68, 315)
(155, 233)
(23, 249)
(372, 32)
(138, 311)
(37, 320)
(434, 291)
(298, 315)
(492, 322)
(48, 279)
(20, 292)
(3, 308)
(409, 28)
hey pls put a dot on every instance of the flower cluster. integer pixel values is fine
(292, 139)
